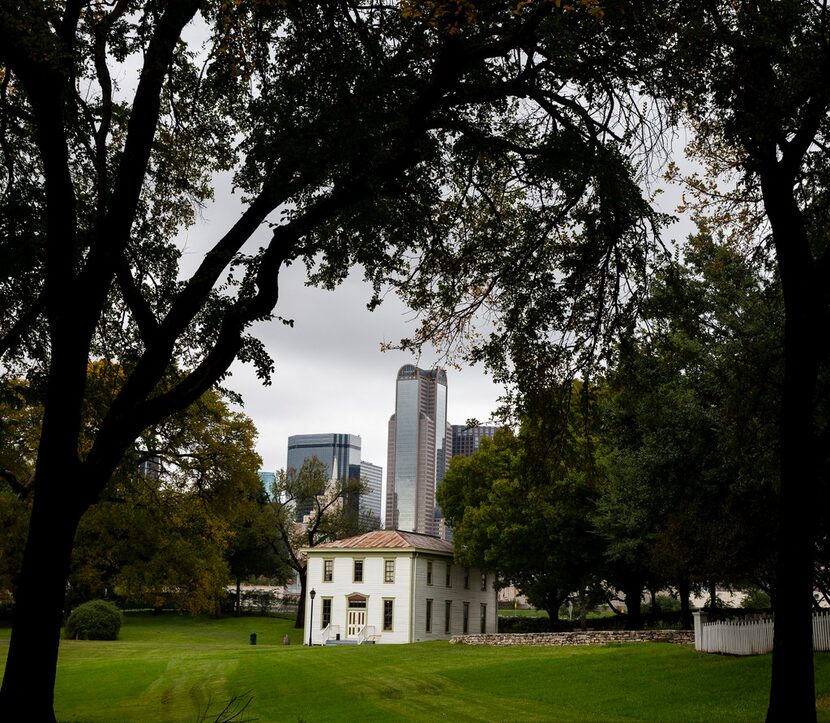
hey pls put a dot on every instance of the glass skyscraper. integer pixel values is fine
(466, 440)
(339, 452)
(419, 449)
(268, 479)
(372, 476)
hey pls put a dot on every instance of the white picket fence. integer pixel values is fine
(751, 637)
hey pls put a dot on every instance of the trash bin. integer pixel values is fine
(253, 638)
(338, 636)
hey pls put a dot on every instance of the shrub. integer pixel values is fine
(94, 620)
(517, 624)
(756, 599)
(667, 603)
(260, 601)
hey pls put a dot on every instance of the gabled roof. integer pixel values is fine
(388, 540)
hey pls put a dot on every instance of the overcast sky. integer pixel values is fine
(331, 375)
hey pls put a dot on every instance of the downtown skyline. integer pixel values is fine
(330, 373)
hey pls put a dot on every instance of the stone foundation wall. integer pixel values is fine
(579, 637)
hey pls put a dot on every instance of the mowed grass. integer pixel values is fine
(172, 668)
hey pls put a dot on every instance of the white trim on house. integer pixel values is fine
(412, 597)
(408, 592)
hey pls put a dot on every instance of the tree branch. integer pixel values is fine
(113, 232)
(148, 325)
(21, 490)
(13, 337)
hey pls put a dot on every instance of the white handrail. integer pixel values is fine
(365, 633)
(328, 632)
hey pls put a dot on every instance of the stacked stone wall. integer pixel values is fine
(579, 637)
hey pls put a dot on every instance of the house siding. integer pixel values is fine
(373, 587)
(409, 592)
(439, 593)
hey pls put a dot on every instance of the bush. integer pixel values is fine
(666, 603)
(94, 620)
(756, 599)
(521, 624)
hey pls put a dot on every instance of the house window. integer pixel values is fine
(429, 572)
(389, 571)
(328, 570)
(483, 581)
(465, 627)
(466, 578)
(483, 618)
(388, 606)
(448, 580)
(358, 570)
(447, 615)
(429, 616)
(357, 601)
(326, 613)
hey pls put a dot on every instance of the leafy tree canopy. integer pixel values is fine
(392, 137)
(176, 503)
(309, 508)
(521, 506)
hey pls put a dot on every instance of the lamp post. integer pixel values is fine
(311, 615)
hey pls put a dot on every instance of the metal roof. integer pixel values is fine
(388, 540)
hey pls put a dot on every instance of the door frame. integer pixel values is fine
(361, 609)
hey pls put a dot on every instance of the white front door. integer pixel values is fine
(354, 622)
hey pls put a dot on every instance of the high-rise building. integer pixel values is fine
(268, 479)
(339, 452)
(372, 476)
(419, 449)
(466, 440)
(151, 467)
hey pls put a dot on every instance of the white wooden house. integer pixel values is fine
(390, 586)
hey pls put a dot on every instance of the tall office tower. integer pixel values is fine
(372, 476)
(268, 479)
(151, 467)
(339, 452)
(419, 449)
(466, 440)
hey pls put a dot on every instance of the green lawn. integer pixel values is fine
(170, 668)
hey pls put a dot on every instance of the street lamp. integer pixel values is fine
(311, 615)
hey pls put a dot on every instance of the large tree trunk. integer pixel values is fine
(61, 495)
(634, 606)
(551, 602)
(685, 608)
(713, 600)
(792, 688)
(553, 615)
(300, 621)
(583, 608)
(28, 684)
(654, 608)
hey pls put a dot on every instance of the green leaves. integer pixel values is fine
(689, 432)
(521, 505)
